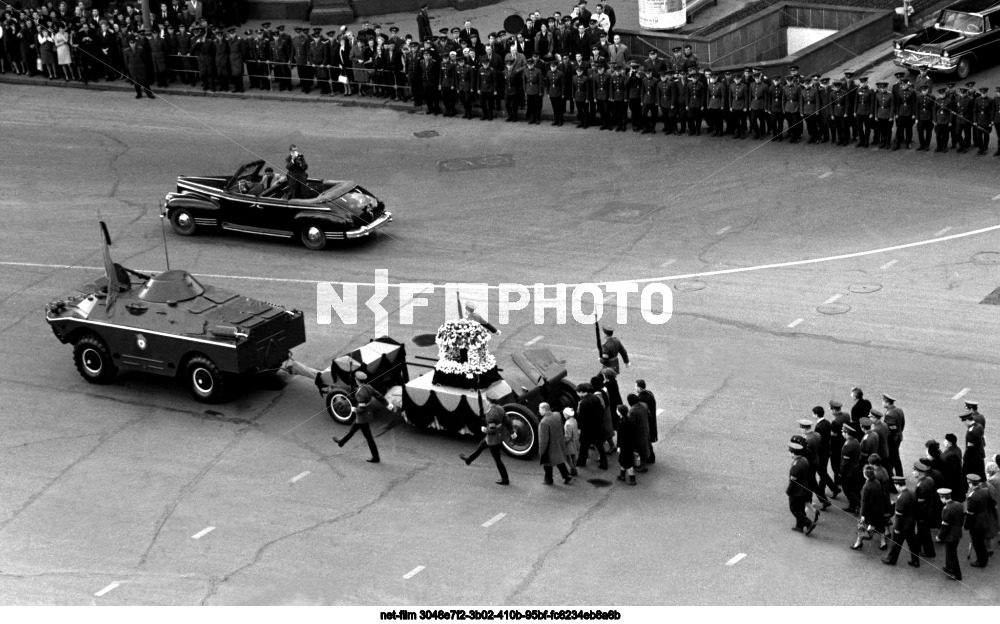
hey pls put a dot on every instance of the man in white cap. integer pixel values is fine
(950, 533)
(571, 435)
(799, 492)
(977, 517)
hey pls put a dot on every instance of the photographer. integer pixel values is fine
(296, 165)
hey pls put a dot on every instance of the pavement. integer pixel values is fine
(796, 272)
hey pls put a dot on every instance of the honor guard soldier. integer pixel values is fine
(982, 116)
(825, 116)
(973, 408)
(950, 532)
(776, 108)
(618, 87)
(204, 48)
(319, 60)
(905, 105)
(534, 87)
(978, 508)
(430, 78)
(633, 86)
(366, 397)
(486, 85)
(694, 98)
(650, 84)
(996, 118)
(963, 118)
(513, 82)
(837, 437)
(555, 83)
(883, 115)
(864, 106)
(237, 50)
(869, 440)
(448, 83)
(814, 447)
(581, 96)
(974, 458)
(798, 490)
(851, 480)
(925, 118)
(824, 428)
(716, 94)
(739, 102)
(666, 101)
(895, 421)
(928, 511)
(882, 429)
(943, 115)
(758, 105)
(300, 58)
(611, 349)
(851, 89)
(497, 427)
(601, 86)
(222, 60)
(281, 58)
(792, 112)
(689, 60)
(904, 525)
(839, 125)
(811, 109)
(793, 71)
(258, 53)
(466, 75)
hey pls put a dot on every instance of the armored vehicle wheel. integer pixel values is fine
(339, 406)
(183, 222)
(524, 442)
(93, 360)
(204, 379)
(964, 67)
(312, 236)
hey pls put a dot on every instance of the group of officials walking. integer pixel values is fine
(951, 488)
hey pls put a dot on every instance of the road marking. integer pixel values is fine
(961, 394)
(826, 175)
(202, 533)
(795, 322)
(723, 230)
(415, 571)
(107, 589)
(299, 476)
(996, 197)
(493, 520)
(668, 262)
(533, 341)
(736, 559)
(889, 264)
(942, 231)
(832, 299)
(494, 287)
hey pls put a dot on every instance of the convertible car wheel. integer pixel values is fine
(182, 222)
(312, 237)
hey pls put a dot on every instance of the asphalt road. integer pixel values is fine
(108, 484)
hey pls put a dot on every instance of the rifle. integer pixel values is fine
(597, 336)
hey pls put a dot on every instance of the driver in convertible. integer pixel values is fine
(256, 188)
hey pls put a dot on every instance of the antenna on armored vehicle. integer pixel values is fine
(163, 230)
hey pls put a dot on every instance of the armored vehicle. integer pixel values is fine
(171, 324)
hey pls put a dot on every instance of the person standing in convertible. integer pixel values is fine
(296, 165)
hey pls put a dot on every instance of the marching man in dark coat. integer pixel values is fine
(497, 426)
(950, 533)
(590, 416)
(904, 525)
(798, 490)
(551, 444)
(626, 444)
(296, 165)
(364, 415)
(611, 349)
(647, 398)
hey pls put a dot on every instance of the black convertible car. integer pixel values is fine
(337, 210)
(965, 36)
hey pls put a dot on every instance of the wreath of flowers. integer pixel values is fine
(466, 334)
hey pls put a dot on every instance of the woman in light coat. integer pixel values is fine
(571, 435)
(64, 55)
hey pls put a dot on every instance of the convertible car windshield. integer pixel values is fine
(961, 22)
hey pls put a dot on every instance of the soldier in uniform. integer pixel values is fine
(925, 118)
(792, 111)
(254, 58)
(974, 458)
(665, 100)
(798, 490)
(928, 510)
(851, 88)
(905, 105)
(466, 76)
(512, 84)
(222, 60)
(869, 440)
(601, 88)
(694, 97)
(412, 58)
(882, 429)
(850, 469)
(837, 437)
(430, 78)
(811, 109)
(962, 132)
(982, 116)
(300, 58)
(864, 106)
(497, 426)
(581, 96)
(366, 397)
(814, 447)
(978, 510)
(904, 525)
(534, 88)
(895, 422)
(618, 92)
(188, 65)
(448, 83)
(486, 86)
(950, 532)
(883, 115)
(281, 57)
(996, 118)
(555, 84)
(319, 61)
(204, 48)
(825, 116)
(633, 86)
(758, 105)
(689, 60)
(716, 96)
(776, 107)
(739, 102)
(237, 47)
(839, 124)
(650, 84)
(611, 349)
(943, 116)
(973, 408)
(922, 79)
(824, 428)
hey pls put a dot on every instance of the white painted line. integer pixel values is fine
(795, 322)
(736, 559)
(415, 571)
(832, 299)
(299, 476)
(203, 533)
(723, 230)
(494, 287)
(608, 297)
(659, 411)
(493, 520)
(668, 262)
(889, 264)
(826, 175)
(961, 394)
(996, 197)
(533, 341)
(942, 231)
(107, 589)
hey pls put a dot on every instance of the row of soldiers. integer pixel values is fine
(856, 443)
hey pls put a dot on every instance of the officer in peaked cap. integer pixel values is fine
(950, 533)
(973, 407)
(798, 490)
(366, 397)
(266, 25)
(612, 346)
